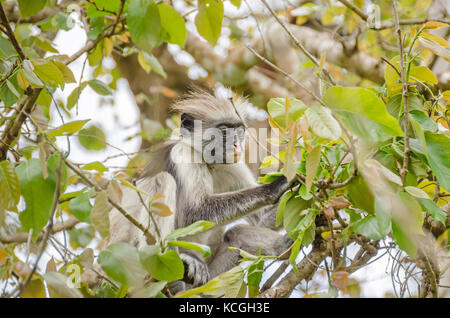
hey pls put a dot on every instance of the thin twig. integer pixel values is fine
(404, 169)
(388, 24)
(307, 90)
(10, 32)
(298, 44)
(128, 216)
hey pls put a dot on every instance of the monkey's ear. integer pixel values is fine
(187, 122)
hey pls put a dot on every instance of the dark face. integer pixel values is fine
(232, 138)
(221, 141)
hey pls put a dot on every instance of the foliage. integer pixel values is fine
(370, 160)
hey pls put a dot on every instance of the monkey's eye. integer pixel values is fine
(240, 131)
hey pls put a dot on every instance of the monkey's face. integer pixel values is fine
(220, 142)
(223, 143)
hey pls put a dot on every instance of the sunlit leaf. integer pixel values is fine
(166, 266)
(30, 7)
(100, 214)
(209, 19)
(9, 186)
(204, 249)
(68, 128)
(192, 229)
(144, 23)
(121, 262)
(173, 23)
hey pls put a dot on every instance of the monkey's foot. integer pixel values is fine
(195, 270)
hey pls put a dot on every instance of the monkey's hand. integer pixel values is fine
(279, 187)
(195, 269)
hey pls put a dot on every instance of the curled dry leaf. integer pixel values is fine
(160, 209)
(115, 192)
(340, 279)
(339, 202)
(329, 211)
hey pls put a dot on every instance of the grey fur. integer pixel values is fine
(221, 193)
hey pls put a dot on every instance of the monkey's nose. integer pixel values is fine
(237, 148)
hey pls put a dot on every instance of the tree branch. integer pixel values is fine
(388, 24)
(307, 266)
(23, 237)
(404, 78)
(10, 32)
(300, 45)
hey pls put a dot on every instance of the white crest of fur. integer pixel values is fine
(203, 105)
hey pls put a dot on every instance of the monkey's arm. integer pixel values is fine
(226, 207)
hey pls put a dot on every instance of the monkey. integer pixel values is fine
(202, 176)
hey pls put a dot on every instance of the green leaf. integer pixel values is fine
(204, 249)
(312, 163)
(8, 97)
(281, 206)
(383, 216)
(81, 237)
(432, 208)
(437, 147)
(34, 289)
(58, 288)
(121, 262)
(99, 87)
(422, 74)
(192, 229)
(362, 112)
(81, 207)
(166, 266)
(360, 194)
(254, 275)
(96, 55)
(276, 108)
(72, 99)
(394, 104)
(67, 72)
(403, 240)
(292, 218)
(144, 24)
(48, 72)
(149, 291)
(209, 19)
(30, 7)
(45, 45)
(92, 138)
(63, 21)
(68, 128)
(96, 165)
(100, 214)
(236, 3)
(9, 186)
(368, 227)
(416, 192)
(425, 122)
(173, 23)
(294, 252)
(149, 62)
(322, 123)
(230, 284)
(38, 194)
(33, 79)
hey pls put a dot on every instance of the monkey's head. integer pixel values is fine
(213, 126)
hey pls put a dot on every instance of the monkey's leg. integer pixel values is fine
(250, 239)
